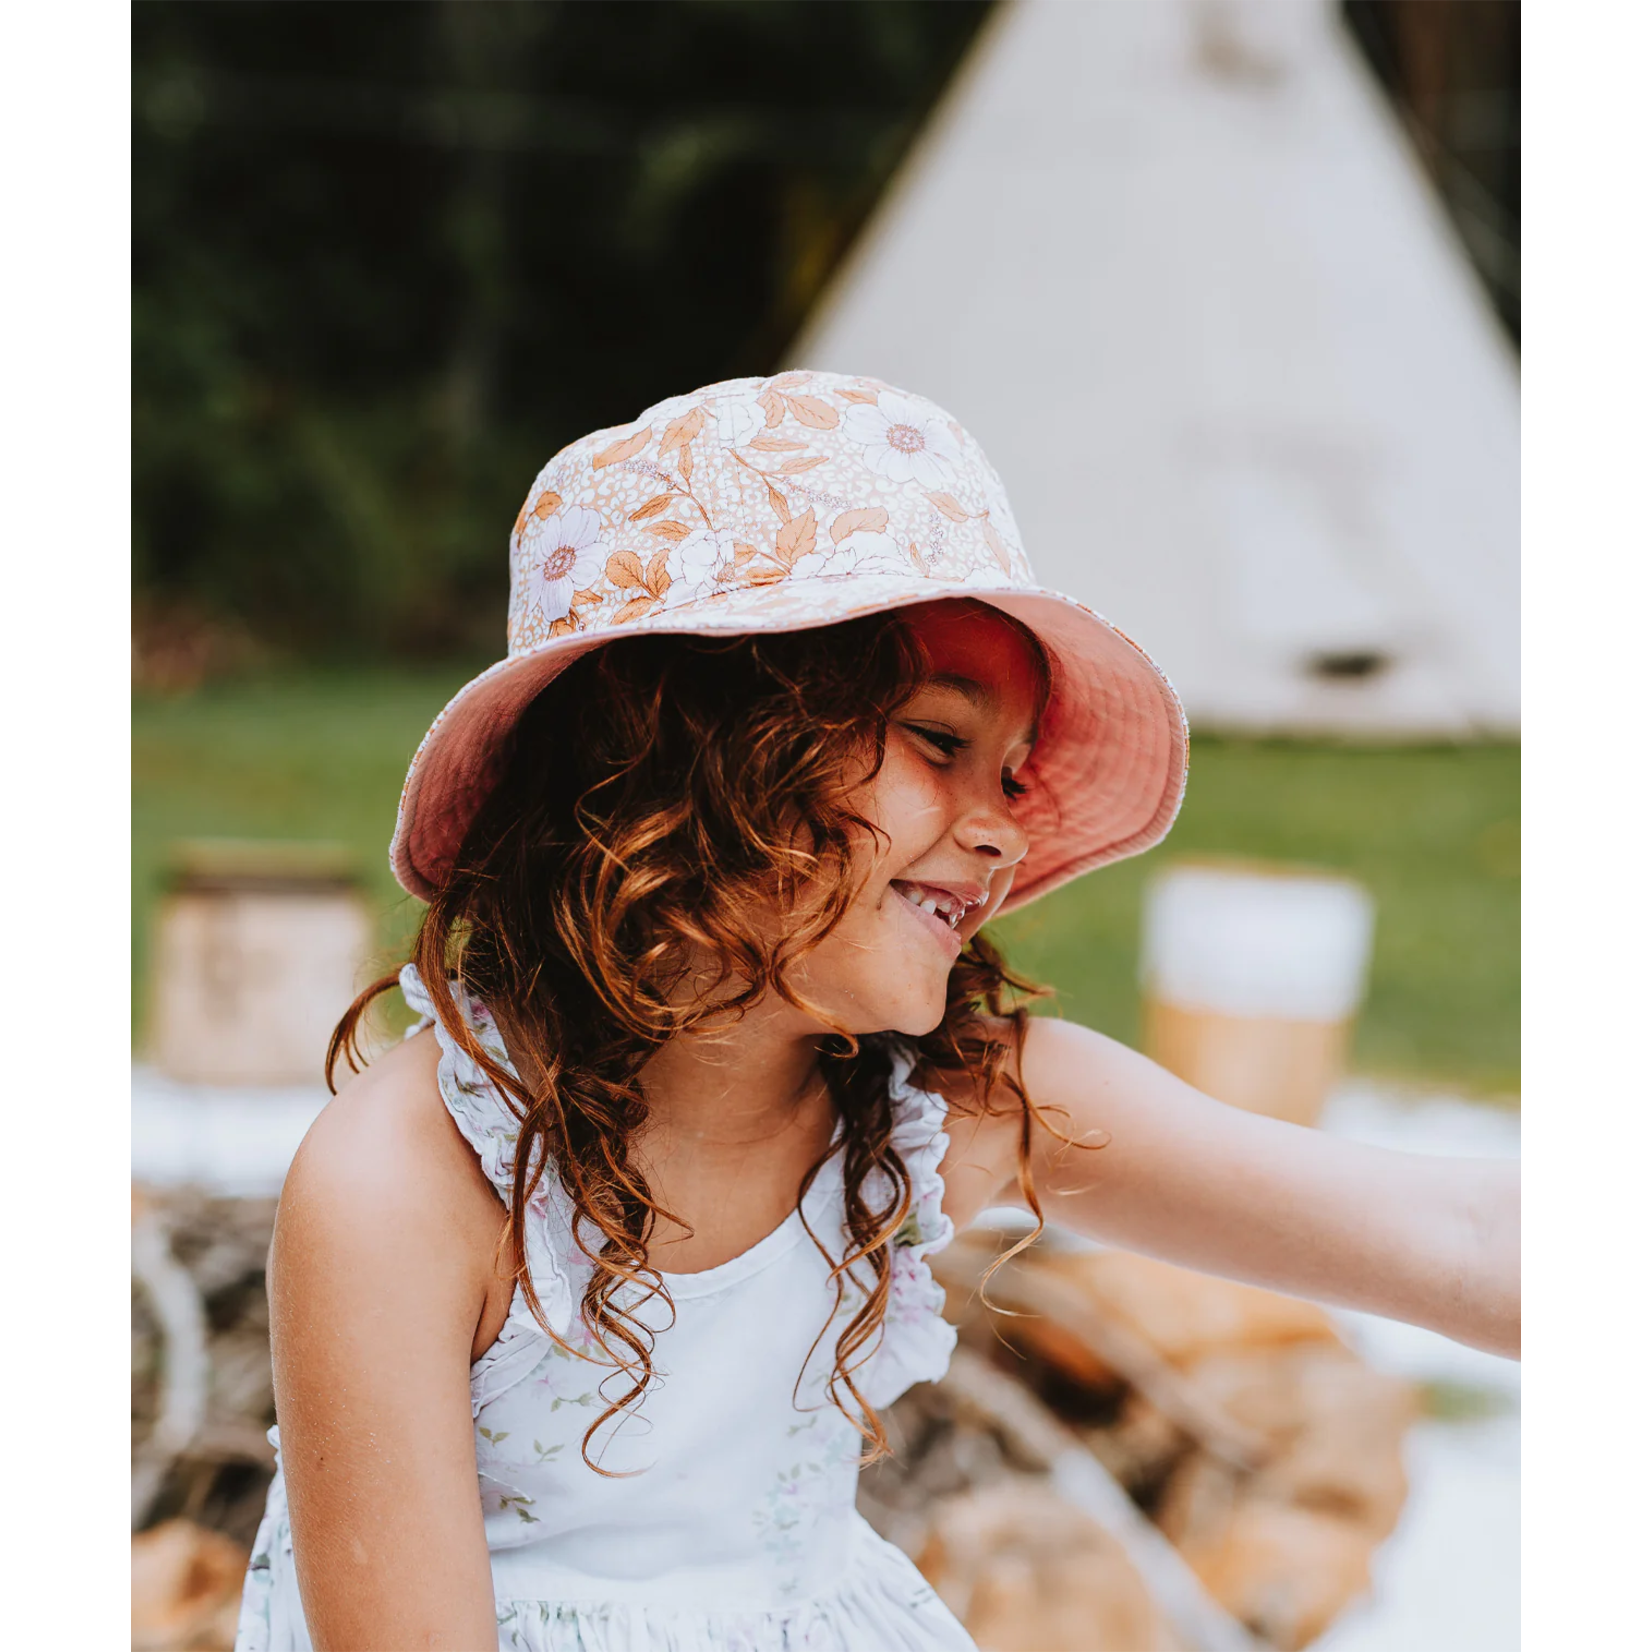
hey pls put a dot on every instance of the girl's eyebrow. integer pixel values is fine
(979, 695)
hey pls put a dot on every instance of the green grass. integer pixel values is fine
(1432, 831)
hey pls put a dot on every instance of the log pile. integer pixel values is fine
(201, 1402)
(1221, 1440)
(1132, 1458)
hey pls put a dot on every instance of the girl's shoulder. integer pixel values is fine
(385, 1163)
(963, 1092)
(1059, 1064)
(392, 1111)
(983, 1131)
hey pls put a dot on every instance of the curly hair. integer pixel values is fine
(656, 799)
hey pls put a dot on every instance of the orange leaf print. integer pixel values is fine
(636, 608)
(949, 507)
(628, 447)
(563, 628)
(670, 530)
(858, 395)
(744, 552)
(685, 462)
(625, 569)
(795, 467)
(774, 409)
(917, 558)
(683, 430)
(790, 381)
(796, 539)
(584, 599)
(813, 412)
(775, 444)
(547, 504)
(660, 502)
(996, 545)
(778, 500)
(866, 521)
(765, 573)
(657, 579)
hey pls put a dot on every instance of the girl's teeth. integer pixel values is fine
(952, 916)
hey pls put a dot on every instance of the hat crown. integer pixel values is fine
(764, 485)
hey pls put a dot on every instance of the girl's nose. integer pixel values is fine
(996, 833)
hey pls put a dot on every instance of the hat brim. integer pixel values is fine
(1108, 772)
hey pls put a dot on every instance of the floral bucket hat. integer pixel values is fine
(775, 505)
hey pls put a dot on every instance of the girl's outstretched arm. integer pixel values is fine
(1433, 1241)
(378, 1274)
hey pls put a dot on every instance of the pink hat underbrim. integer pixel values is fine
(1109, 769)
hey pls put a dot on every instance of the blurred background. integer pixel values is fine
(1229, 289)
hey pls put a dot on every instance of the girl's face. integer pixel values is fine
(946, 798)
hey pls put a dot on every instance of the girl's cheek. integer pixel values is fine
(910, 802)
(920, 795)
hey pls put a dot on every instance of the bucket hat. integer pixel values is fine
(778, 504)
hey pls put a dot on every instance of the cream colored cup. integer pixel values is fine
(1252, 974)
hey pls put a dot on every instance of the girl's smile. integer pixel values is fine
(939, 914)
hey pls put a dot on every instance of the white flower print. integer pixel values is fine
(693, 564)
(739, 420)
(561, 555)
(856, 553)
(905, 440)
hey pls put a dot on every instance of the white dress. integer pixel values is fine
(733, 1528)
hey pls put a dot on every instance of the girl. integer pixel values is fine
(585, 1298)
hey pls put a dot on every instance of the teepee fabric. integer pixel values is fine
(1174, 264)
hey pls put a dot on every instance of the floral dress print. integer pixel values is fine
(731, 1526)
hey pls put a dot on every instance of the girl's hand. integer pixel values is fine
(1433, 1241)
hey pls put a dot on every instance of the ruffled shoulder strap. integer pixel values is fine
(921, 1140)
(917, 1341)
(488, 1123)
(483, 1115)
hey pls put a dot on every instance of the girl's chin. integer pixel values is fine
(907, 1014)
(914, 1015)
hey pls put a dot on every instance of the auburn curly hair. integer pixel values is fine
(655, 799)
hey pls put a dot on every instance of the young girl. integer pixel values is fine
(585, 1298)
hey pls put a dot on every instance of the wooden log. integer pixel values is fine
(1035, 1290)
(185, 1369)
(186, 1588)
(1039, 1436)
(1024, 1571)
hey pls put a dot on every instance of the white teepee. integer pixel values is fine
(1175, 266)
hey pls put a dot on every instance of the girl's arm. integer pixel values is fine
(1433, 1241)
(378, 1273)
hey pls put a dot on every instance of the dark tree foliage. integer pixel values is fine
(388, 257)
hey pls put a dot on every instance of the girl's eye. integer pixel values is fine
(950, 744)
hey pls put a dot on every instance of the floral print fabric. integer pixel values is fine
(755, 483)
(728, 1519)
